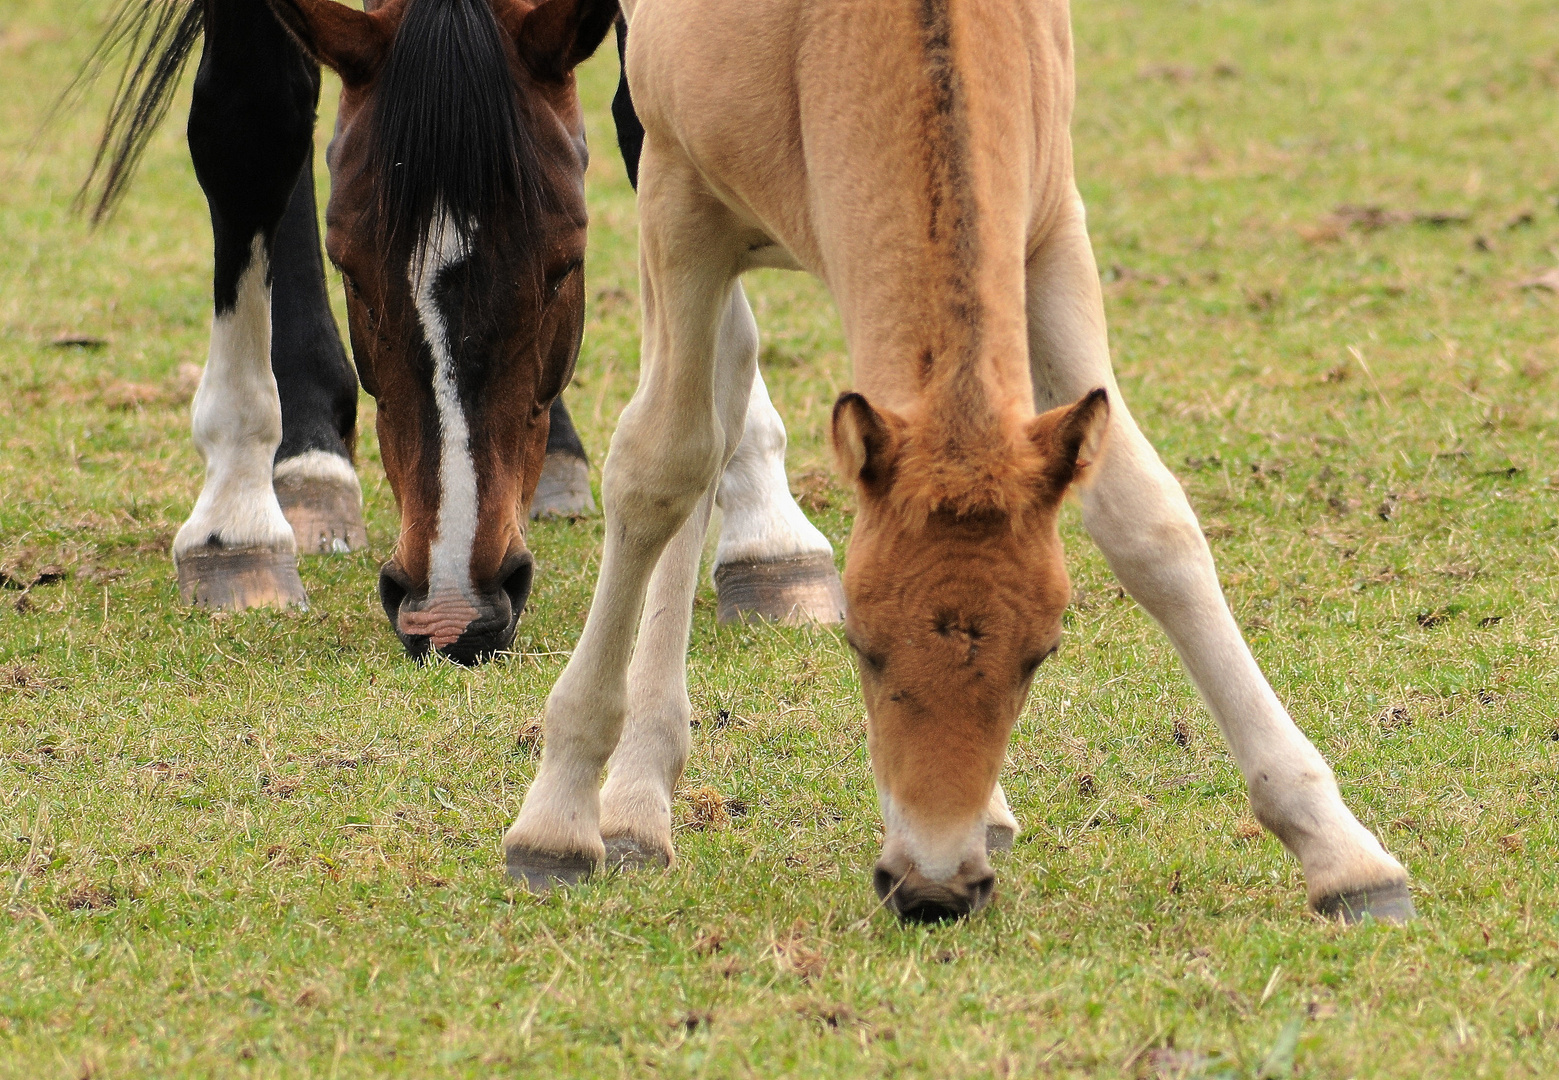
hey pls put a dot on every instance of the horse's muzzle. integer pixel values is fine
(913, 897)
(461, 629)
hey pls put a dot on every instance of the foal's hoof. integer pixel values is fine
(238, 578)
(999, 838)
(1384, 903)
(325, 513)
(801, 589)
(627, 853)
(543, 871)
(564, 488)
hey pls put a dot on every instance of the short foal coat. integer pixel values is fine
(915, 155)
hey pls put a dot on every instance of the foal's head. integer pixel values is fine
(955, 586)
(457, 217)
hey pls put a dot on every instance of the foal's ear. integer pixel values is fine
(1069, 438)
(556, 36)
(866, 443)
(351, 43)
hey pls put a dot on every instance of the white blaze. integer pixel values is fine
(449, 577)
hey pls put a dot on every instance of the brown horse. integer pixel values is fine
(915, 155)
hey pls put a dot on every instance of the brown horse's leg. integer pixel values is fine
(681, 427)
(1138, 514)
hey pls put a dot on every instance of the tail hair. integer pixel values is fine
(154, 40)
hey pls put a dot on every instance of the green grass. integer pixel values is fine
(267, 845)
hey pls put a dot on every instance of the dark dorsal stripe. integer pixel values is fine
(952, 226)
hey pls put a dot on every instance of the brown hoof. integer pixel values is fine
(1384, 903)
(803, 589)
(543, 871)
(564, 488)
(629, 854)
(999, 838)
(326, 515)
(240, 578)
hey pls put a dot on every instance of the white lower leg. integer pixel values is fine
(236, 420)
(644, 769)
(1138, 514)
(760, 519)
(1001, 828)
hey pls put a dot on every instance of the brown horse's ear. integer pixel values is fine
(866, 443)
(351, 43)
(1069, 439)
(556, 36)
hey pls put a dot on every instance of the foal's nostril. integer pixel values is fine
(981, 891)
(882, 881)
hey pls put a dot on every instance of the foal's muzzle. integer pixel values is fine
(913, 897)
(497, 611)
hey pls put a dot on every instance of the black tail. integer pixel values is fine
(630, 133)
(155, 39)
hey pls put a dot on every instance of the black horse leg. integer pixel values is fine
(315, 482)
(250, 126)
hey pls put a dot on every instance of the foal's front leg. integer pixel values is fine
(1138, 514)
(670, 444)
(250, 122)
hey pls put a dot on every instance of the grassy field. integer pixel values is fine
(266, 845)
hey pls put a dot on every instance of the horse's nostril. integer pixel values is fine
(392, 590)
(516, 581)
(933, 911)
(883, 882)
(981, 891)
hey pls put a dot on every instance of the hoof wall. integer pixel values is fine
(999, 838)
(564, 488)
(804, 589)
(629, 854)
(1386, 903)
(542, 871)
(241, 578)
(326, 515)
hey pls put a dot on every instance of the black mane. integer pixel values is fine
(446, 128)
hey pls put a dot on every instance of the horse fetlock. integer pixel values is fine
(798, 589)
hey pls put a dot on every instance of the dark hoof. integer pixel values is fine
(236, 579)
(542, 871)
(999, 838)
(564, 488)
(326, 515)
(629, 854)
(1385, 903)
(803, 589)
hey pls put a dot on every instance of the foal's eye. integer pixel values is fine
(867, 659)
(1031, 665)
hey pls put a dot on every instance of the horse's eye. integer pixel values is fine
(557, 278)
(1031, 665)
(868, 659)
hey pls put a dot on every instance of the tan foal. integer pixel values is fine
(914, 155)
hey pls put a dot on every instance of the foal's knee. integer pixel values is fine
(657, 469)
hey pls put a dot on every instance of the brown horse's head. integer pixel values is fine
(955, 586)
(457, 217)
